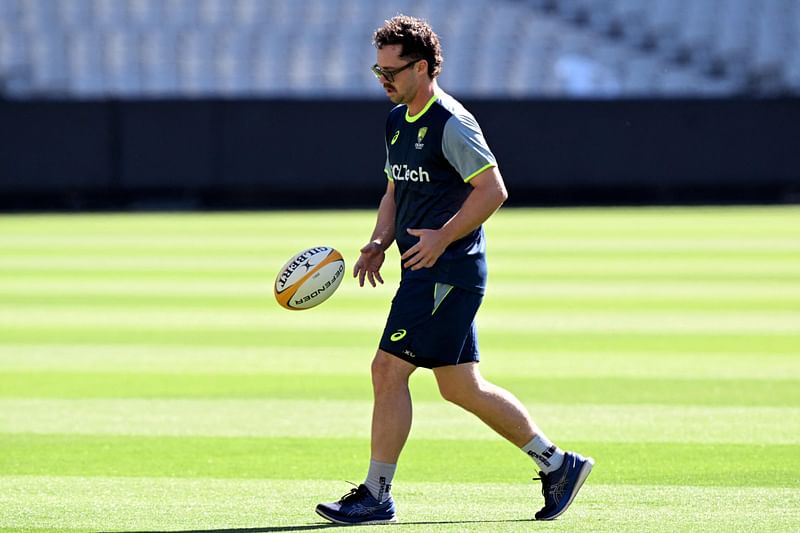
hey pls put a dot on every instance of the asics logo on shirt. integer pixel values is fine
(403, 173)
(396, 135)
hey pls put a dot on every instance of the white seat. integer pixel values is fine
(287, 13)
(772, 36)
(122, 63)
(699, 23)
(679, 82)
(358, 13)
(10, 13)
(270, 60)
(110, 14)
(14, 48)
(196, 68)
(736, 30)
(180, 14)
(75, 14)
(49, 63)
(38, 14)
(304, 75)
(145, 15)
(663, 21)
(85, 59)
(215, 13)
(233, 62)
(572, 10)
(641, 74)
(792, 75)
(159, 63)
(495, 53)
(250, 13)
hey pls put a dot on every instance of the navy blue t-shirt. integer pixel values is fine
(431, 157)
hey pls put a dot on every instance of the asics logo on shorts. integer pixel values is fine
(398, 335)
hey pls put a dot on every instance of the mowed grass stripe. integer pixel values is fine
(696, 221)
(198, 286)
(262, 302)
(423, 460)
(731, 392)
(640, 423)
(509, 245)
(636, 263)
(366, 341)
(236, 292)
(163, 504)
(532, 241)
(786, 273)
(342, 360)
(331, 318)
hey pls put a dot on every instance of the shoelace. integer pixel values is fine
(545, 479)
(350, 495)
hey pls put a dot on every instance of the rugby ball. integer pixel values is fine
(309, 278)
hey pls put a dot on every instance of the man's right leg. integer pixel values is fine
(391, 409)
(371, 502)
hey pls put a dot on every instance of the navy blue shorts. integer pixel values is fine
(432, 324)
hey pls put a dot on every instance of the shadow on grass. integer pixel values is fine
(312, 527)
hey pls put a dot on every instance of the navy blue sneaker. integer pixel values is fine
(359, 507)
(560, 487)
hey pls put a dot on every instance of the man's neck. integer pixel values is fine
(422, 97)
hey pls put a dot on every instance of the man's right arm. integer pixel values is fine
(384, 226)
(374, 252)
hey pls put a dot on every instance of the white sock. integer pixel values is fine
(547, 455)
(379, 479)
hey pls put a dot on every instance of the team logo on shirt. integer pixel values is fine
(420, 135)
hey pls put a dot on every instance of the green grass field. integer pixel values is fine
(149, 382)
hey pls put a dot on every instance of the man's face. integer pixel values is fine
(403, 88)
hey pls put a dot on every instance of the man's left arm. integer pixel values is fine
(488, 194)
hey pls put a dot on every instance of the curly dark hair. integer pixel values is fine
(417, 38)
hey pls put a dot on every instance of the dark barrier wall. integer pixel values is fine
(298, 153)
(49, 146)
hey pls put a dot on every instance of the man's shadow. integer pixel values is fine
(312, 527)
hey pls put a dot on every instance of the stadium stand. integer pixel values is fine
(276, 48)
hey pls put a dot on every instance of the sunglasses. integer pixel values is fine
(390, 74)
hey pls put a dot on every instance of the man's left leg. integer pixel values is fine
(499, 409)
(562, 474)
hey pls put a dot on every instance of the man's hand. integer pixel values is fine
(369, 264)
(431, 245)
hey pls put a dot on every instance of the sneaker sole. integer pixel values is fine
(586, 469)
(391, 520)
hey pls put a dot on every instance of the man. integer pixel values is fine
(443, 183)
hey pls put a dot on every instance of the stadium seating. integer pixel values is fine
(297, 48)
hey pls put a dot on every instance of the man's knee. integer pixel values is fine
(462, 391)
(461, 384)
(451, 393)
(389, 371)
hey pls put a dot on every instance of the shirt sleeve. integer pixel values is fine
(387, 168)
(465, 148)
